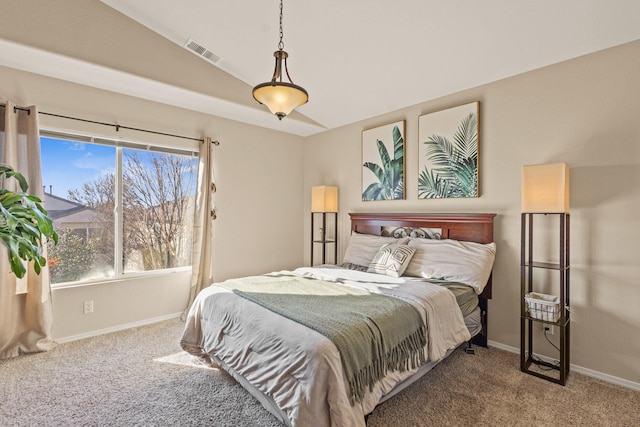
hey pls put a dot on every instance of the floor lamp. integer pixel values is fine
(324, 201)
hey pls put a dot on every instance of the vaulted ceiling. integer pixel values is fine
(356, 58)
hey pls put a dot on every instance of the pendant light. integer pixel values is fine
(280, 97)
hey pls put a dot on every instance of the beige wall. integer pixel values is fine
(259, 226)
(584, 112)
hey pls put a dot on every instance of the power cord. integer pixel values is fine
(546, 329)
(543, 365)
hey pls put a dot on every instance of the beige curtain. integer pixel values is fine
(25, 304)
(205, 214)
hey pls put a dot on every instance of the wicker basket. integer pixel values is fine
(543, 307)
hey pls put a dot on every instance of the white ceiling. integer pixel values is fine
(362, 58)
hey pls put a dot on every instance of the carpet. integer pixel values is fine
(141, 377)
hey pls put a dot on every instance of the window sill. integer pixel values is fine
(124, 277)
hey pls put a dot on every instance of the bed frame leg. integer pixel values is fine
(469, 349)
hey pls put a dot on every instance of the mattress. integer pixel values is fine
(466, 296)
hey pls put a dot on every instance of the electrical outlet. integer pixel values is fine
(87, 307)
(548, 329)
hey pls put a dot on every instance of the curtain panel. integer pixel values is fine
(26, 311)
(204, 215)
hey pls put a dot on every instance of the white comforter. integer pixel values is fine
(298, 368)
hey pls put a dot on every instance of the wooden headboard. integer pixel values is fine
(472, 227)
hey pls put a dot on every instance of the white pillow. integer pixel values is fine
(456, 261)
(363, 247)
(392, 259)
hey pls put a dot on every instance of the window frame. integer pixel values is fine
(119, 144)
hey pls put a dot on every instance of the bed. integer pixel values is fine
(282, 335)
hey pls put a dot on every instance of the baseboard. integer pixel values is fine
(117, 328)
(575, 368)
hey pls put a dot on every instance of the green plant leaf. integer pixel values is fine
(466, 137)
(24, 225)
(398, 143)
(10, 173)
(432, 186)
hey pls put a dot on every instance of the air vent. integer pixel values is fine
(202, 51)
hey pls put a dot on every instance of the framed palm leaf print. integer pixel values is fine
(383, 174)
(448, 153)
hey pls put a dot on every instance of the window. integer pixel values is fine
(119, 209)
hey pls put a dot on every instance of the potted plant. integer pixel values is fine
(24, 225)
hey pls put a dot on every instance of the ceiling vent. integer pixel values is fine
(202, 51)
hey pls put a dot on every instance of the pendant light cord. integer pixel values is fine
(281, 44)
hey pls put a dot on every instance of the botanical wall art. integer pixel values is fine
(448, 153)
(383, 175)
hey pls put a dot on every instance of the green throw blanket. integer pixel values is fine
(374, 333)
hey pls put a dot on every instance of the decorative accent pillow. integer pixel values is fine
(392, 259)
(456, 261)
(363, 247)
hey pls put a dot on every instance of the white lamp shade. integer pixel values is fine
(324, 199)
(545, 188)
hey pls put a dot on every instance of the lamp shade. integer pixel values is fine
(280, 97)
(545, 188)
(324, 199)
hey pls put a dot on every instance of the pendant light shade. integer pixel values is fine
(279, 96)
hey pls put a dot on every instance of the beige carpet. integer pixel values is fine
(140, 377)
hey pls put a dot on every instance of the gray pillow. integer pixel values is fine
(363, 247)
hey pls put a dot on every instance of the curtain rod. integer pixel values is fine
(118, 127)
